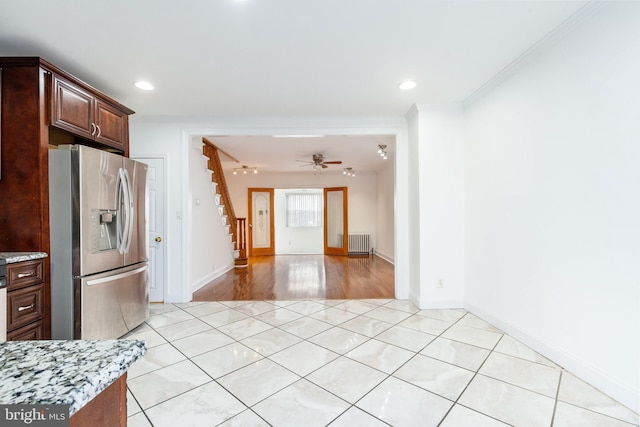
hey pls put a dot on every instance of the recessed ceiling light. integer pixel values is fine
(407, 85)
(143, 85)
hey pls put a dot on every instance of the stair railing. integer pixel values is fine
(242, 238)
(211, 151)
(237, 226)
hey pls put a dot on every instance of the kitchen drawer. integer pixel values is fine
(31, 332)
(25, 273)
(24, 306)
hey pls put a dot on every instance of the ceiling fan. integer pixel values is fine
(319, 162)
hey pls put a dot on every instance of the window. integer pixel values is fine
(304, 209)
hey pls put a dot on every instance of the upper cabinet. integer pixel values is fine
(88, 116)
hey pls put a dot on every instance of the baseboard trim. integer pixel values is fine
(210, 277)
(385, 257)
(623, 393)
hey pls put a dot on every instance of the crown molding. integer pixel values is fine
(565, 27)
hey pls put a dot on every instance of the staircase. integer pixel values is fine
(236, 227)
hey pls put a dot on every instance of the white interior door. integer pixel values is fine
(156, 220)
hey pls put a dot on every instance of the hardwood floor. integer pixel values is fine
(286, 277)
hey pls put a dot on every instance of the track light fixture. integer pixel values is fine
(244, 169)
(381, 151)
(348, 172)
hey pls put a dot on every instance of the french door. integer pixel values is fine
(260, 203)
(335, 221)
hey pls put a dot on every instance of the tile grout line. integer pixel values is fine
(555, 401)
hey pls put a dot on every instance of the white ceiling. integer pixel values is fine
(280, 58)
(269, 154)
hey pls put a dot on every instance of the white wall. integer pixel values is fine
(553, 206)
(210, 247)
(436, 147)
(411, 211)
(385, 213)
(441, 164)
(362, 191)
(294, 240)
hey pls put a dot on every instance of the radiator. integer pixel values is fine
(359, 243)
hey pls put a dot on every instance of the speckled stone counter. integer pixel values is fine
(63, 372)
(12, 257)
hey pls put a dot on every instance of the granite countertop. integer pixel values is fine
(63, 372)
(12, 257)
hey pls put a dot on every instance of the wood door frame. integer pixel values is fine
(345, 220)
(260, 251)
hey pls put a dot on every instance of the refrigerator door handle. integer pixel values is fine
(124, 210)
(119, 196)
(117, 276)
(130, 210)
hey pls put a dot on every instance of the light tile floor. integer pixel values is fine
(348, 363)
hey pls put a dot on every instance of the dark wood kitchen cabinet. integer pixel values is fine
(80, 112)
(25, 300)
(29, 127)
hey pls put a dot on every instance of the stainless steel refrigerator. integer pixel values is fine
(99, 263)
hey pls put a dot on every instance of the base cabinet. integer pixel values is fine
(109, 408)
(25, 300)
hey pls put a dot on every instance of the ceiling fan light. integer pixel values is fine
(255, 171)
(235, 172)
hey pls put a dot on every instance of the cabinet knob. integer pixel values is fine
(93, 129)
(99, 131)
(158, 239)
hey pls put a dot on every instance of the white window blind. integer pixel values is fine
(304, 209)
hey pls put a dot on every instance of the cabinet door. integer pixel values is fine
(112, 125)
(73, 109)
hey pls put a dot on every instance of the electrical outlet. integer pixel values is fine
(441, 283)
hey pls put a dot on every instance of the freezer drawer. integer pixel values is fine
(113, 303)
